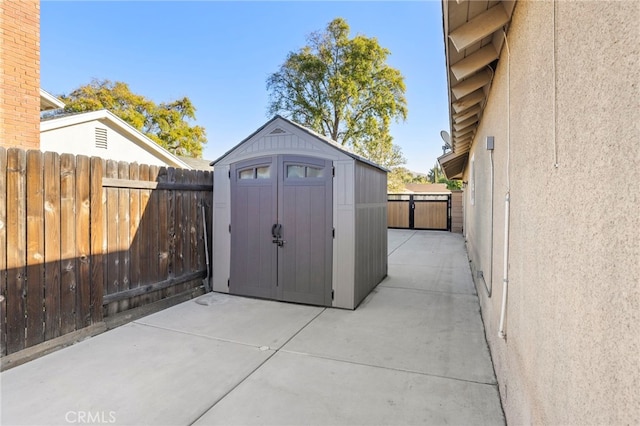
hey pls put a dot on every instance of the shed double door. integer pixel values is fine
(281, 229)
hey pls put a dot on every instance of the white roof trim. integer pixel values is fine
(312, 133)
(48, 101)
(103, 114)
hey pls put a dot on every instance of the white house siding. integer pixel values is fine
(567, 95)
(79, 139)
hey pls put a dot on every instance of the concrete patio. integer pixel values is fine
(413, 352)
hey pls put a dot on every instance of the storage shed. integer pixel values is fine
(298, 218)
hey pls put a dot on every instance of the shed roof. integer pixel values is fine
(474, 32)
(316, 135)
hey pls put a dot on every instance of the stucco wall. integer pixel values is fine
(567, 95)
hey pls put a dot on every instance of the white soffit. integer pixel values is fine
(479, 27)
(457, 118)
(473, 41)
(478, 80)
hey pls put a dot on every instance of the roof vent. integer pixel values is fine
(101, 138)
(277, 130)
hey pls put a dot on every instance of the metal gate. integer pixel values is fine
(419, 211)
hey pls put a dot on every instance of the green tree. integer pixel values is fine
(435, 175)
(342, 88)
(168, 124)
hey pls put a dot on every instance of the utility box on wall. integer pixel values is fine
(298, 218)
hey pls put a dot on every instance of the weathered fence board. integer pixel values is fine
(16, 250)
(35, 250)
(134, 224)
(171, 237)
(124, 241)
(83, 242)
(97, 239)
(113, 257)
(67, 244)
(163, 228)
(51, 244)
(3, 255)
(151, 218)
(83, 238)
(179, 228)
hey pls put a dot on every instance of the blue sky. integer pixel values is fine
(220, 54)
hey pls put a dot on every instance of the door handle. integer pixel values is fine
(276, 231)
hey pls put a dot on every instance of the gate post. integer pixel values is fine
(412, 209)
(449, 212)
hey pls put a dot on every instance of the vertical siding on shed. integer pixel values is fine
(221, 236)
(371, 229)
(343, 244)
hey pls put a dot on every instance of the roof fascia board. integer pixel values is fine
(50, 100)
(304, 129)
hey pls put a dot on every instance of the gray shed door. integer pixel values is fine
(281, 238)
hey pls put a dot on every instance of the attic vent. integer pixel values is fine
(101, 138)
(276, 131)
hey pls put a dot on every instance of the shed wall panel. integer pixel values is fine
(371, 229)
(343, 244)
(221, 236)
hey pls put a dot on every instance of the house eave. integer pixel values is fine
(453, 164)
(49, 102)
(474, 33)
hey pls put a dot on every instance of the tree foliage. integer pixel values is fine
(342, 88)
(436, 175)
(399, 176)
(168, 124)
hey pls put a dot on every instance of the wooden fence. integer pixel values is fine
(83, 239)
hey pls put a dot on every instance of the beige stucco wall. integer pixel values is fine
(571, 355)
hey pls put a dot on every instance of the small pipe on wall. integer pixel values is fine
(505, 273)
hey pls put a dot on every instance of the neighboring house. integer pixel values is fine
(103, 134)
(544, 132)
